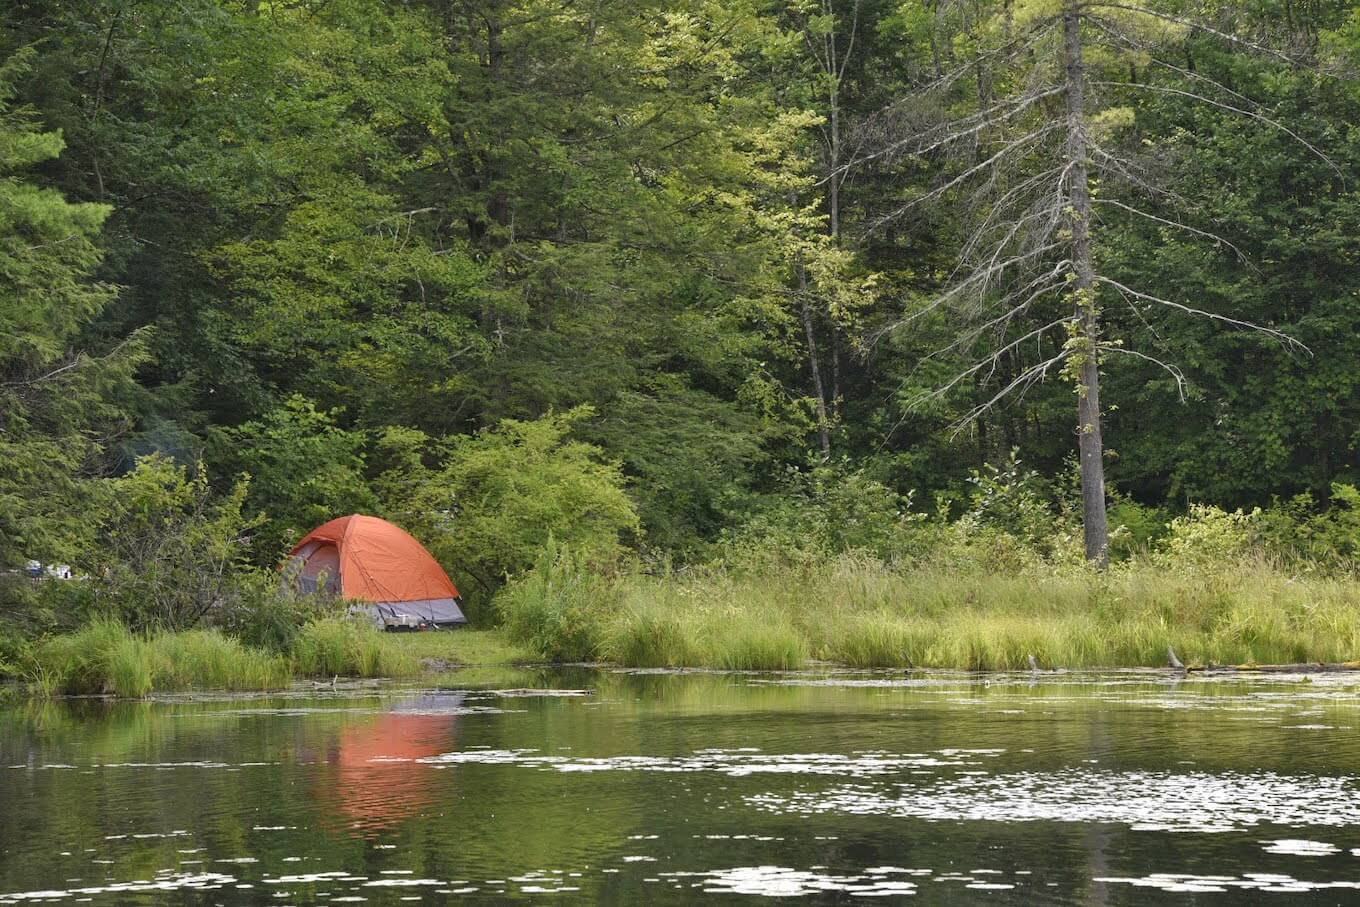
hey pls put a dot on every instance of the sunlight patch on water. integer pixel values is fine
(735, 763)
(1251, 881)
(785, 882)
(1301, 848)
(169, 882)
(1145, 801)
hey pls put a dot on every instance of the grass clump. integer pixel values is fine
(346, 647)
(101, 657)
(650, 634)
(105, 657)
(875, 640)
(557, 610)
(206, 659)
(755, 642)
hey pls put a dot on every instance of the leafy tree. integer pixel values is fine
(166, 551)
(304, 470)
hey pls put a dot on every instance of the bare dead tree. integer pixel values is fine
(831, 45)
(1028, 287)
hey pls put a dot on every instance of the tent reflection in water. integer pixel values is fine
(380, 774)
(373, 562)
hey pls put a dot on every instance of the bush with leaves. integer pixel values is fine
(501, 494)
(1312, 538)
(166, 552)
(1013, 500)
(268, 611)
(822, 511)
(1208, 536)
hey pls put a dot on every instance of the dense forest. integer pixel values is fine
(662, 277)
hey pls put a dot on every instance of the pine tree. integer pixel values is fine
(52, 406)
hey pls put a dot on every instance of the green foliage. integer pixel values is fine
(825, 510)
(267, 612)
(105, 657)
(165, 551)
(501, 495)
(1134, 528)
(1206, 536)
(304, 470)
(357, 250)
(1008, 499)
(52, 406)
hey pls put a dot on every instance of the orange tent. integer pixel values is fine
(370, 560)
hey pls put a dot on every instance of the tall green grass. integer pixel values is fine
(104, 657)
(348, 648)
(208, 660)
(860, 612)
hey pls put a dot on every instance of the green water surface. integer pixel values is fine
(831, 787)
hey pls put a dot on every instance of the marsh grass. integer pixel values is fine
(340, 646)
(208, 660)
(105, 657)
(860, 612)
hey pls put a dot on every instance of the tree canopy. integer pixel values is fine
(640, 275)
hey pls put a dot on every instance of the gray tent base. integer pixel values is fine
(430, 612)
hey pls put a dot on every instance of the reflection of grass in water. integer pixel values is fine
(864, 614)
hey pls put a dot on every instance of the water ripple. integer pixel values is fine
(1145, 801)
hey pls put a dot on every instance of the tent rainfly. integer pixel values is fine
(363, 558)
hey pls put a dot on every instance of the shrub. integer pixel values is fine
(1207, 536)
(1134, 529)
(503, 493)
(1007, 499)
(269, 612)
(165, 553)
(557, 608)
(823, 511)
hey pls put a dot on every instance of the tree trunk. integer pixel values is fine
(1089, 441)
(823, 424)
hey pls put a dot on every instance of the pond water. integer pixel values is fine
(832, 787)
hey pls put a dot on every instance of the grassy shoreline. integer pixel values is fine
(860, 613)
(848, 612)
